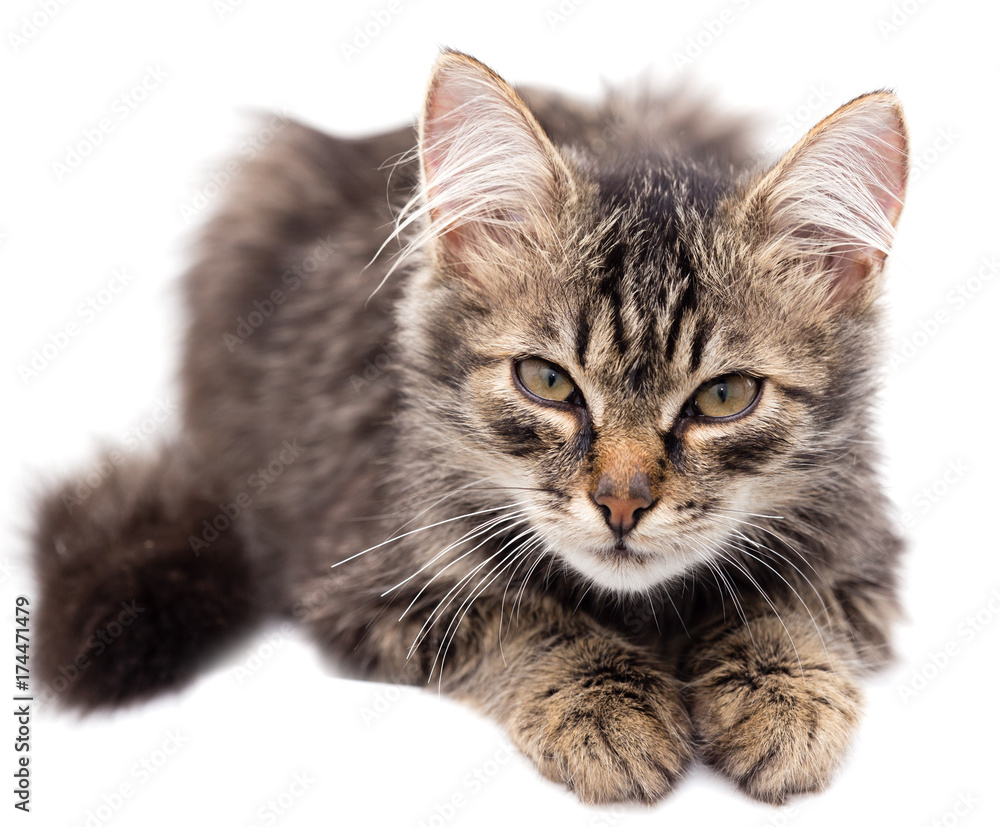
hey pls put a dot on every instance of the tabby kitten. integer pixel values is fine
(593, 454)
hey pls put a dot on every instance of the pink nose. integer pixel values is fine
(622, 507)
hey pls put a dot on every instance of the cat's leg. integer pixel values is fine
(594, 712)
(142, 575)
(590, 709)
(774, 702)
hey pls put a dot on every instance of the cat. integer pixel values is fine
(586, 443)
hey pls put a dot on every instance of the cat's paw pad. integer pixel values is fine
(773, 727)
(611, 735)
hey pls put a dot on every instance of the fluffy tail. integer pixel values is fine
(137, 591)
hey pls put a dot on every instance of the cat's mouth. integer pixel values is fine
(621, 552)
(625, 565)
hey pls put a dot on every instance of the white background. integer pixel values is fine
(372, 755)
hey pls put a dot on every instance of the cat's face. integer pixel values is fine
(701, 407)
(649, 371)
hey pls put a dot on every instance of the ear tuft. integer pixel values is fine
(491, 178)
(834, 199)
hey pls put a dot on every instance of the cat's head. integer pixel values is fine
(638, 357)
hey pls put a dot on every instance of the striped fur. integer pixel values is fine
(433, 522)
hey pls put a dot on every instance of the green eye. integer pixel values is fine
(545, 380)
(726, 395)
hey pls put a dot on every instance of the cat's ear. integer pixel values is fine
(492, 182)
(833, 201)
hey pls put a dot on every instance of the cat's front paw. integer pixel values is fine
(774, 723)
(610, 729)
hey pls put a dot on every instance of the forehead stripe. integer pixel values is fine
(583, 335)
(698, 342)
(685, 304)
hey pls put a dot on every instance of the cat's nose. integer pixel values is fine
(622, 505)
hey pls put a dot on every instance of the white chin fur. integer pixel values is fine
(626, 575)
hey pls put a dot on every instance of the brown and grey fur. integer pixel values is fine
(429, 523)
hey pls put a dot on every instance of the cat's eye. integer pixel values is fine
(546, 381)
(725, 396)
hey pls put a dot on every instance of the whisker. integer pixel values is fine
(526, 549)
(520, 593)
(465, 554)
(440, 500)
(708, 557)
(656, 622)
(751, 513)
(784, 541)
(469, 535)
(467, 604)
(524, 552)
(767, 599)
(452, 593)
(768, 550)
(423, 528)
(579, 602)
(794, 591)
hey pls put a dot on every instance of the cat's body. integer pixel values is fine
(615, 583)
